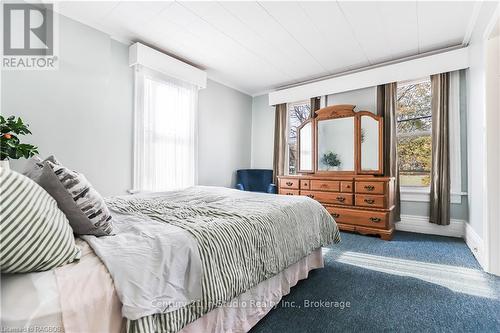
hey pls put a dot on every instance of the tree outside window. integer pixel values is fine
(414, 126)
(298, 112)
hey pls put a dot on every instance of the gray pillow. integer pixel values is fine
(33, 168)
(81, 203)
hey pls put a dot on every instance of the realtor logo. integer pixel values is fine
(28, 36)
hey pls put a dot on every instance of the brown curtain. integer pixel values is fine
(315, 105)
(386, 107)
(279, 141)
(440, 168)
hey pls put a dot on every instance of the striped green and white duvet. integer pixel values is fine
(243, 238)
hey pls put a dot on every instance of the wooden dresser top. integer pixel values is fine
(340, 178)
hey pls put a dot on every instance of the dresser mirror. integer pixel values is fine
(305, 143)
(370, 141)
(336, 144)
(341, 141)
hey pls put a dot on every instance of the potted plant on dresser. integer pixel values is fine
(331, 160)
(10, 144)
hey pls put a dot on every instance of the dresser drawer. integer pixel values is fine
(346, 187)
(325, 185)
(286, 191)
(370, 187)
(359, 217)
(291, 183)
(305, 184)
(367, 200)
(330, 197)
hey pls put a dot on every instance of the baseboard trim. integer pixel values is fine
(420, 224)
(475, 244)
(457, 228)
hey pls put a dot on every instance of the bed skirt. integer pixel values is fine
(244, 311)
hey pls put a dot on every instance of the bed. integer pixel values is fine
(201, 259)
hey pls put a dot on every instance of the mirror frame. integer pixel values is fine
(313, 145)
(335, 112)
(380, 121)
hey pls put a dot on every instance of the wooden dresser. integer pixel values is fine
(340, 164)
(357, 203)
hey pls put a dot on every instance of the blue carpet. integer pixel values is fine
(414, 283)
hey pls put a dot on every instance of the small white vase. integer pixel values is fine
(4, 164)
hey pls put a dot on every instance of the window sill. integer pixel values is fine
(415, 194)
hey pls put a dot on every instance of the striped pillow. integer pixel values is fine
(77, 198)
(35, 234)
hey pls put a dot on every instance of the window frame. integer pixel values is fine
(288, 127)
(422, 194)
(414, 192)
(141, 76)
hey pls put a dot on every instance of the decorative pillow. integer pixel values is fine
(83, 205)
(35, 234)
(34, 165)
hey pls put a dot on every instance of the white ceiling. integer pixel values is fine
(259, 46)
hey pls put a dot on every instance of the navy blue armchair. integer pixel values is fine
(255, 180)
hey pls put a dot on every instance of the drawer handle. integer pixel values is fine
(341, 199)
(369, 187)
(289, 183)
(348, 186)
(311, 196)
(335, 215)
(324, 185)
(289, 193)
(369, 201)
(375, 219)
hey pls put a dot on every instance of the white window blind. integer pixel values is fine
(165, 132)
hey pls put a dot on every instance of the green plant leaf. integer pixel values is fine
(13, 148)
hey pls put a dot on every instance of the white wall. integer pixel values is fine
(492, 227)
(262, 133)
(365, 99)
(477, 233)
(224, 142)
(83, 113)
(476, 120)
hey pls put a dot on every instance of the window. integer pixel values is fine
(414, 126)
(164, 138)
(298, 112)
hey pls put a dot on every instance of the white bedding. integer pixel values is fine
(178, 285)
(159, 269)
(29, 300)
